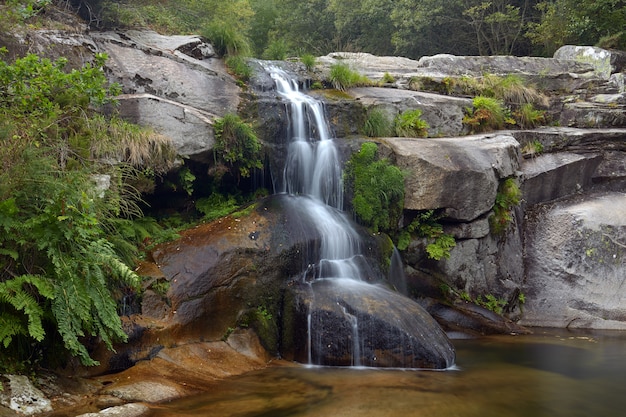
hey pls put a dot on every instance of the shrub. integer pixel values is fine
(226, 39)
(378, 189)
(377, 124)
(342, 77)
(410, 124)
(487, 114)
(615, 41)
(276, 50)
(426, 225)
(61, 264)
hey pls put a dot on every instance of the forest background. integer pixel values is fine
(275, 29)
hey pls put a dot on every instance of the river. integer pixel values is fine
(549, 373)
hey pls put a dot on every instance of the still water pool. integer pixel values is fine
(551, 374)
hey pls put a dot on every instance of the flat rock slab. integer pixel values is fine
(444, 114)
(551, 176)
(577, 277)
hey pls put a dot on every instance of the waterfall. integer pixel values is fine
(313, 172)
(348, 319)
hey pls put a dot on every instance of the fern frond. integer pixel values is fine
(11, 326)
(20, 294)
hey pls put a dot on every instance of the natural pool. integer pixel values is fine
(548, 373)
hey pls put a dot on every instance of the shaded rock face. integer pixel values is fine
(248, 271)
(443, 114)
(575, 274)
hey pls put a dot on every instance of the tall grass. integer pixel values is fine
(343, 77)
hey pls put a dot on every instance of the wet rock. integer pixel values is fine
(126, 410)
(354, 323)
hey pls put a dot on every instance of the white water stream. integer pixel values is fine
(313, 176)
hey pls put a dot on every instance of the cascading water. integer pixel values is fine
(342, 307)
(313, 175)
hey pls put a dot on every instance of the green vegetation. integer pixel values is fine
(342, 77)
(487, 114)
(378, 189)
(411, 28)
(508, 196)
(65, 211)
(533, 148)
(309, 61)
(527, 116)
(388, 78)
(426, 225)
(237, 148)
(409, 124)
(377, 124)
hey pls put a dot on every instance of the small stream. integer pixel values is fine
(550, 373)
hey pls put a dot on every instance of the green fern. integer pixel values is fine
(20, 293)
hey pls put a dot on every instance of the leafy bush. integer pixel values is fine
(410, 124)
(342, 77)
(377, 124)
(226, 39)
(237, 146)
(276, 50)
(378, 189)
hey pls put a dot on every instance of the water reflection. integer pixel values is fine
(546, 374)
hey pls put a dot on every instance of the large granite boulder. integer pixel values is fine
(575, 253)
(345, 322)
(460, 175)
(237, 272)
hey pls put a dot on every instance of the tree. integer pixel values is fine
(582, 22)
(497, 25)
(428, 27)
